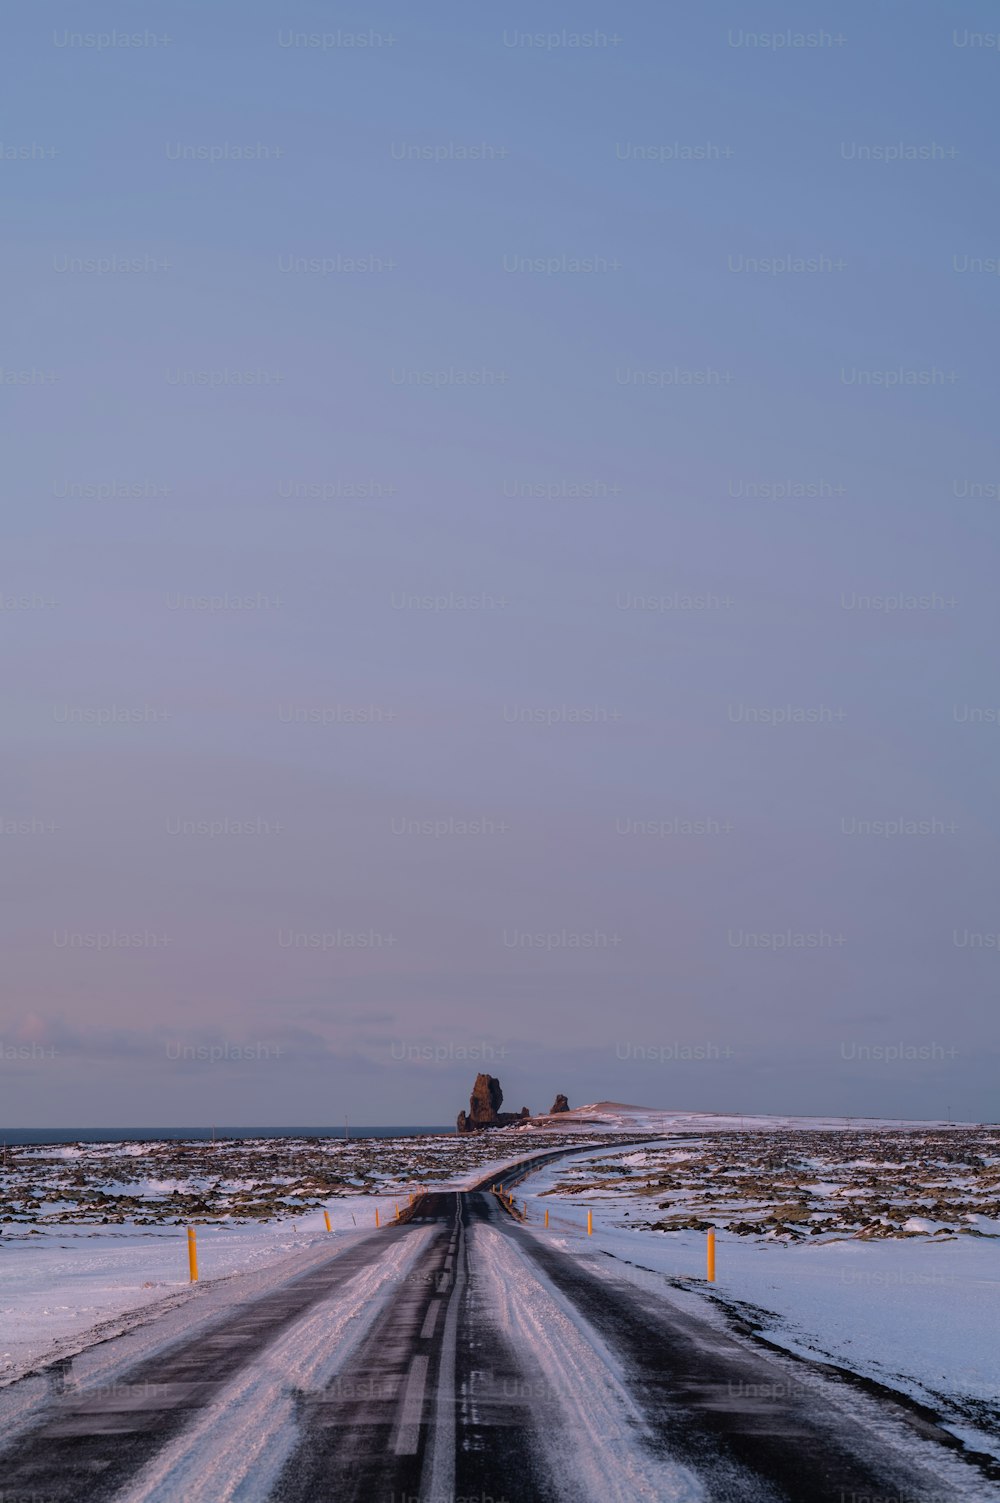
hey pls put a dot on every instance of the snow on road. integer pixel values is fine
(99, 1357)
(909, 1312)
(58, 1284)
(236, 1448)
(62, 1286)
(914, 1313)
(597, 1449)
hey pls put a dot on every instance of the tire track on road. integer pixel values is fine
(89, 1445)
(250, 1429)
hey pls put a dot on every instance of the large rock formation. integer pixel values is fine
(485, 1101)
(484, 1108)
(559, 1105)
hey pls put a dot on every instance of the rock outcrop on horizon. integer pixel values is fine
(485, 1101)
(561, 1104)
(484, 1108)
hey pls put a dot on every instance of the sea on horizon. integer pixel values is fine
(26, 1136)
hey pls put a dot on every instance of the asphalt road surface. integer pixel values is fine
(439, 1401)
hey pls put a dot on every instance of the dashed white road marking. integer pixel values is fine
(407, 1437)
(438, 1478)
(430, 1320)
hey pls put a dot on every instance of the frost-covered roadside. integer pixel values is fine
(62, 1282)
(914, 1313)
(59, 1284)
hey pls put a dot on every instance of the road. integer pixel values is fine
(497, 1367)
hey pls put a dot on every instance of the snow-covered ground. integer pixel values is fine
(74, 1266)
(58, 1285)
(618, 1116)
(915, 1312)
(875, 1247)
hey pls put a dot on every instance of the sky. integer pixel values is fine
(500, 542)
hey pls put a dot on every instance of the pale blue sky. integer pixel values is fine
(428, 426)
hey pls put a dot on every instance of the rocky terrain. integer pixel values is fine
(787, 1183)
(796, 1185)
(239, 1180)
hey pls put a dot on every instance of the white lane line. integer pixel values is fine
(408, 1429)
(438, 1478)
(430, 1320)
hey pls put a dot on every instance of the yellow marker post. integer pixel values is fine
(326, 1218)
(710, 1274)
(590, 1223)
(192, 1255)
(546, 1218)
(397, 1209)
(376, 1215)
